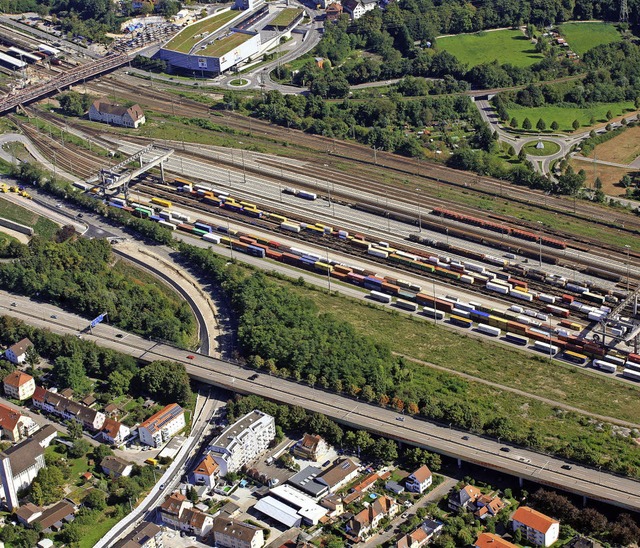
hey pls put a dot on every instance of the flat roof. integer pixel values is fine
(226, 44)
(307, 507)
(191, 35)
(232, 432)
(305, 481)
(285, 17)
(279, 511)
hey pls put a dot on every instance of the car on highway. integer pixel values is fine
(465, 438)
(79, 215)
(505, 449)
(191, 357)
(253, 377)
(14, 304)
(119, 335)
(53, 316)
(408, 504)
(566, 467)
(161, 487)
(400, 418)
(405, 515)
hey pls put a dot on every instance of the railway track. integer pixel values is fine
(152, 189)
(371, 161)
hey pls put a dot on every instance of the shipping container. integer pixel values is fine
(381, 297)
(307, 195)
(291, 227)
(406, 305)
(514, 338)
(167, 224)
(460, 322)
(378, 253)
(498, 288)
(432, 313)
(545, 348)
(160, 202)
(211, 238)
(604, 366)
(489, 330)
(574, 357)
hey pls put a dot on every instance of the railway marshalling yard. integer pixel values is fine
(448, 271)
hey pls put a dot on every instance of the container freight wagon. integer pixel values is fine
(160, 202)
(380, 297)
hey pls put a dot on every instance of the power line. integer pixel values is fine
(624, 11)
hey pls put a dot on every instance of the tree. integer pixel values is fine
(598, 184)
(541, 125)
(101, 451)
(526, 124)
(96, 499)
(511, 151)
(575, 125)
(192, 494)
(32, 357)
(514, 123)
(166, 381)
(79, 449)
(517, 536)
(609, 115)
(522, 155)
(554, 126)
(74, 429)
(47, 488)
(71, 373)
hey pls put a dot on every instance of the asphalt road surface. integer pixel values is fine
(525, 464)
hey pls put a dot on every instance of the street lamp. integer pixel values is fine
(628, 248)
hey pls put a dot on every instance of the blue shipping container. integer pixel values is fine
(156, 218)
(256, 251)
(202, 226)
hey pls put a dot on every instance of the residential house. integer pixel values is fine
(489, 540)
(341, 473)
(14, 426)
(206, 472)
(19, 385)
(582, 542)
(334, 504)
(17, 352)
(333, 11)
(195, 522)
(367, 483)
(394, 487)
(172, 507)
(20, 464)
(243, 441)
(145, 535)
(229, 533)
(115, 466)
(311, 447)
(488, 505)
(54, 518)
(466, 496)
(537, 528)
(160, 427)
(429, 530)
(357, 8)
(363, 524)
(27, 513)
(114, 432)
(50, 402)
(132, 116)
(420, 480)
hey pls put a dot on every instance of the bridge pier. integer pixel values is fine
(459, 463)
(520, 482)
(584, 501)
(161, 170)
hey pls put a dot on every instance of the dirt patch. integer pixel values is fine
(623, 149)
(609, 175)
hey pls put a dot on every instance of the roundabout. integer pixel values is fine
(541, 148)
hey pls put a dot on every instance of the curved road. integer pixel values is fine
(525, 464)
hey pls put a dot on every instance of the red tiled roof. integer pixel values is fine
(157, 421)
(489, 540)
(111, 428)
(9, 417)
(422, 474)
(17, 379)
(534, 519)
(207, 467)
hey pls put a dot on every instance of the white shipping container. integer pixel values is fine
(521, 295)
(489, 330)
(498, 288)
(381, 297)
(596, 316)
(545, 348)
(168, 225)
(467, 279)
(547, 298)
(212, 238)
(378, 253)
(460, 312)
(291, 227)
(433, 313)
(604, 366)
(517, 309)
(343, 234)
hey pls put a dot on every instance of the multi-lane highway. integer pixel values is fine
(525, 464)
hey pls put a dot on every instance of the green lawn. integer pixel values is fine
(565, 116)
(6, 239)
(42, 226)
(505, 46)
(549, 148)
(226, 44)
(584, 36)
(191, 35)
(286, 17)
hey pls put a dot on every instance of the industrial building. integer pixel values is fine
(222, 41)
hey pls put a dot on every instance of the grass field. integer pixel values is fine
(566, 116)
(226, 44)
(191, 35)
(43, 227)
(505, 46)
(584, 36)
(623, 149)
(549, 148)
(286, 17)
